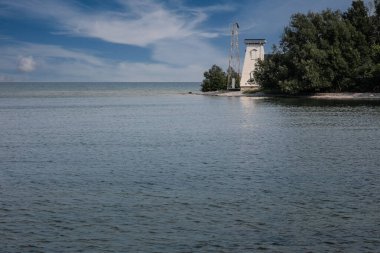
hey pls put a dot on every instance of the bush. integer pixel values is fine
(215, 79)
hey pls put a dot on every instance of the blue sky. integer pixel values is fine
(133, 40)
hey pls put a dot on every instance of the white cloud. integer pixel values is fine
(52, 51)
(181, 48)
(58, 64)
(27, 64)
(187, 52)
(138, 23)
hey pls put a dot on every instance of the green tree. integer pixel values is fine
(374, 72)
(214, 79)
(231, 73)
(270, 71)
(359, 17)
(324, 52)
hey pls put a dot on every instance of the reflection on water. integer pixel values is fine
(183, 173)
(325, 102)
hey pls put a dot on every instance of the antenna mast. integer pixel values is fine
(233, 71)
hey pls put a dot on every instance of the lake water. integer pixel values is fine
(142, 167)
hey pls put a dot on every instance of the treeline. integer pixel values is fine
(330, 51)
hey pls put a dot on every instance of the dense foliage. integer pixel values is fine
(215, 79)
(328, 51)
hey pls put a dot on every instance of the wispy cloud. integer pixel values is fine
(187, 52)
(181, 40)
(138, 23)
(180, 47)
(41, 62)
(4, 37)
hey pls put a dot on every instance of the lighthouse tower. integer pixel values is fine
(253, 52)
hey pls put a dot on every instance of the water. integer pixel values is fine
(149, 168)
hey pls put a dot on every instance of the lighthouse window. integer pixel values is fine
(253, 54)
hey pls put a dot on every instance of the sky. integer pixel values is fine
(134, 40)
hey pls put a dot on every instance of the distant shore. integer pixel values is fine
(333, 96)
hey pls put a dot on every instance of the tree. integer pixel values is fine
(325, 52)
(374, 73)
(271, 70)
(358, 16)
(231, 73)
(214, 79)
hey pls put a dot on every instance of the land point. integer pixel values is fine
(327, 96)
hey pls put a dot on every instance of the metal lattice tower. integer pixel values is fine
(233, 71)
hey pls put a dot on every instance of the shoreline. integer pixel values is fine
(327, 96)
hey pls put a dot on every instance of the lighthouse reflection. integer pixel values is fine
(248, 108)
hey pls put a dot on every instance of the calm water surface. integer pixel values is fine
(126, 167)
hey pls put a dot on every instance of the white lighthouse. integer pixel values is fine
(253, 52)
